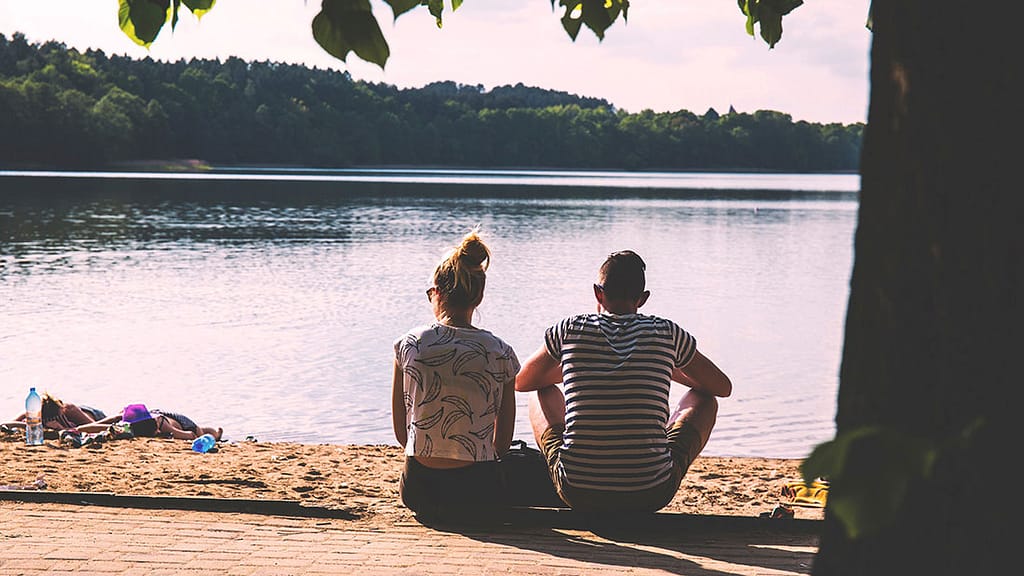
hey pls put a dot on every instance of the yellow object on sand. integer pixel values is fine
(814, 495)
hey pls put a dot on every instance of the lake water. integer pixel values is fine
(267, 301)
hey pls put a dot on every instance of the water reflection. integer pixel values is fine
(266, 304)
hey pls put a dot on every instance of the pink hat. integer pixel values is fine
(135, 413)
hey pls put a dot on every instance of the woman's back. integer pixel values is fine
(452, 395)
(454, 385)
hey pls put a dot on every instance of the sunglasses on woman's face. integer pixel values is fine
(430, 291)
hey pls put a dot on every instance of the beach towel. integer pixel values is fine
(814, 495)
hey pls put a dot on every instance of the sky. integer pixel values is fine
(670, 55)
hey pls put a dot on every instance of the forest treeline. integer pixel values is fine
(63, 108)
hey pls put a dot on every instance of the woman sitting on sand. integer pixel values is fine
(453, 402)
(59, 415)
(155, 423)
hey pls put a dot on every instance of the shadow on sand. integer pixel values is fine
(674, 543)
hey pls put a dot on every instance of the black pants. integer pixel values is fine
(475, 492)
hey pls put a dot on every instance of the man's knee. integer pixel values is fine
(698, 408)
(547, 409)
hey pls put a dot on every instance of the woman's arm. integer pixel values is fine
(505, 420)
(702, 375)
(398, 415)
(111, 419)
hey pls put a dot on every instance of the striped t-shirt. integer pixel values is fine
(616, 375)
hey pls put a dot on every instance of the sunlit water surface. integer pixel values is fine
(267, 301)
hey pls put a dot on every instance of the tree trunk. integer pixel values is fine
(932, 338)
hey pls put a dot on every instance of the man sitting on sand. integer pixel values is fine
(609, 442)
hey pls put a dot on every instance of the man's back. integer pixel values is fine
(608, 439)
(616, 371)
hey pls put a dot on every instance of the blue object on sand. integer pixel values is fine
(203, 443)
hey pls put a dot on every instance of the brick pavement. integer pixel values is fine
(54, 538)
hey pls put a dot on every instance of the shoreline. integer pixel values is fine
(198, 165)
(359, 482)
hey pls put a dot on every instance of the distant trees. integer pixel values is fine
(60, 107)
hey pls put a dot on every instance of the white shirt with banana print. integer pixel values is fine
(453, 382)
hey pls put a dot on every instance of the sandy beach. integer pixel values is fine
(359, 479)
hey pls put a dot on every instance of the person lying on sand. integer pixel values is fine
(59, 415)
(155, 423)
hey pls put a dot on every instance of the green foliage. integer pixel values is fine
(142, 20)
(769, 14)
(598, 15)
(875, 471)
(436, 8)
(399, 7)
(344, 26)
(199, 7)
(871, 471)
(85, 109)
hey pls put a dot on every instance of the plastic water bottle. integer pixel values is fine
(203, 443)
(33, 418)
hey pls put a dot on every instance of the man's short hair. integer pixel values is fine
(622, 275)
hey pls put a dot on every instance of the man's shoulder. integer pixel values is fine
(656, 320)
(595, 319)
(577, 320)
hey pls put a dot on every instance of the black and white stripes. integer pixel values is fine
(616, 375)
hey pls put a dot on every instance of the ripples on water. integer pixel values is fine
(268, 304)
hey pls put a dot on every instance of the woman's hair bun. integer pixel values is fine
(462, 274)
(473, 251)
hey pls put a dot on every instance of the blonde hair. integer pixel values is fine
(51, 406)
(460, 277)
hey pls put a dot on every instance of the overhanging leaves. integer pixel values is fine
(344, 26)
(769, 14)
(141, 20)
(399, 7)
(436, 8)
(199, 7)
(871, 470)
(598, 15)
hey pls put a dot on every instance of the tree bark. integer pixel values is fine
(932, 328)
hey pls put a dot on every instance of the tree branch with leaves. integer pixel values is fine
(346, 26)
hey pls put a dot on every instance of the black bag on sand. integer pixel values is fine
(525, 473)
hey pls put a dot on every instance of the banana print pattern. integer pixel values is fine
(433, 391)
(453, 384)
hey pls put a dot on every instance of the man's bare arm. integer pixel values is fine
(702, 375)
(539, 371)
